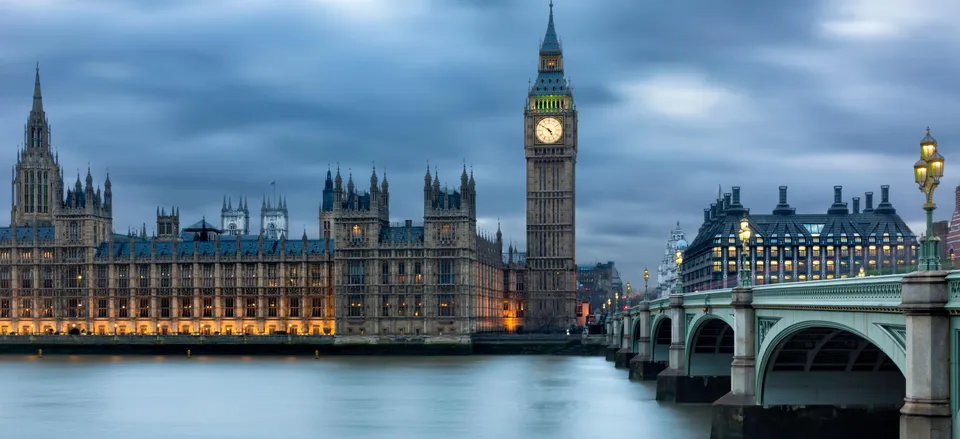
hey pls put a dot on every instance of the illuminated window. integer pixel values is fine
(356, 305)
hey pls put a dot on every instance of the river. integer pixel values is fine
(482, 397)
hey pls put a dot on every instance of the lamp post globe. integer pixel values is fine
(927, 173)
(679, 247)
(646, 279)
(744, 235)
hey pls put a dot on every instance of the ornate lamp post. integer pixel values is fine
(628, 295)
(678, 286)
(745, 252)
(952, 255)
(927, 171)
(646, 279)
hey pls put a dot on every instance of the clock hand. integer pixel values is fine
(548, 130)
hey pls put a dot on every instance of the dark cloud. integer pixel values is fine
(187, 101)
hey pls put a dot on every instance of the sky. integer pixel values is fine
(187, 101)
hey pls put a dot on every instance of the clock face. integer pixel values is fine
(549, 130)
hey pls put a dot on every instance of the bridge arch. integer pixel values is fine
(635, 336)
(827, 363)
(660, 336)
(709, 344)
(619, 333)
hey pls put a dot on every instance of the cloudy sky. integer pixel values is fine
(187, 100)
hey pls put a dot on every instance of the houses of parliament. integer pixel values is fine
(63, 270)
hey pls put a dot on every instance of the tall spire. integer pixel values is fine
(37, 96)
(551, 44)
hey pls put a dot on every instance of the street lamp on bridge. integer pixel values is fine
(927, 171)
(678, 287)
(744, 254)
(646, 279)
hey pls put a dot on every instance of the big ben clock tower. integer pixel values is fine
(550, 146)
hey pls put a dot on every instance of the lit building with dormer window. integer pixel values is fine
(791, 247)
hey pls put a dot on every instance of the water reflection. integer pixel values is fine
(333, 397)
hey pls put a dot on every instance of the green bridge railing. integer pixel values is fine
(871, 292)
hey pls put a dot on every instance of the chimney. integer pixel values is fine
(706, 215)
(869, 207)
(885, 208)
(736, 195)
(838, 207)
(726, 201)
(713, 210)
(957, 195)
(856, 205)
(783, 208)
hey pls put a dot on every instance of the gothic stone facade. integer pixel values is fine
(63, 270)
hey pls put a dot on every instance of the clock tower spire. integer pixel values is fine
(550, 148)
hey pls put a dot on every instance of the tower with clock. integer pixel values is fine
(550, 147)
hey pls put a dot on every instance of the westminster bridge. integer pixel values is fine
(869, 357)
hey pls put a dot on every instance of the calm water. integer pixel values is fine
(499, 397)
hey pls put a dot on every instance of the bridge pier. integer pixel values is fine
(673, 384)
(800, 422)
(641, 366)
(926, 410)
(611, 350)
(622, 357)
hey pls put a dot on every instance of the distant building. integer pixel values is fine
(274, 219)
(597, 283)
(790, 247)
(235, 221)
(667, 270)
(583, 313)
(941, 229)
(950, 233)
